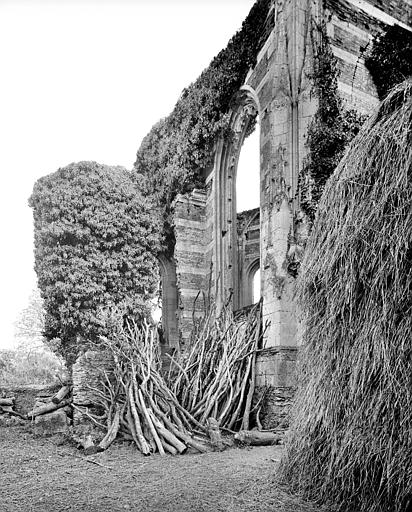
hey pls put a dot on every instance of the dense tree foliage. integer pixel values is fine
(95, 236)
(390, 59)
(173, 156)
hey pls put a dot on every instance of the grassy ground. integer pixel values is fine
(46, 475)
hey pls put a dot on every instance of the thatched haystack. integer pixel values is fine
(351, 438)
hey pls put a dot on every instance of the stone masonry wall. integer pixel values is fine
(351, 27)
(191, 268)
(278, 90)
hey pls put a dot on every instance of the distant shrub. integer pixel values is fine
(28, 367)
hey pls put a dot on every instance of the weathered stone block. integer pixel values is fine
(275, 367)
(55, 422)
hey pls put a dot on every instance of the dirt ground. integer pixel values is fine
(47, 475)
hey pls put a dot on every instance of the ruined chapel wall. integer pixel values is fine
(351, 27)
(280, 80)
(280, 89)
(189, 255)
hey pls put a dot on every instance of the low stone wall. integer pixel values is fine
(87, 374)
(275, 386)
(275, 405)
(88, 371)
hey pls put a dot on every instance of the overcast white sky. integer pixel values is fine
(86, 80)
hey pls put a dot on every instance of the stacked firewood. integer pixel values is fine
(7, 406)
(215, 375)
(138, 405)
(46, 405)
(208, 387)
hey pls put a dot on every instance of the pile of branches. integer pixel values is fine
(209, 386)
(215, 375)
(350, 440)
(137, 403)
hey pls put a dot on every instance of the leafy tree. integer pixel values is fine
(26, 366)
(95, 240)
(29, 326)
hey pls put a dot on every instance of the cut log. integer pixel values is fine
(186, 438)
(257, 438)
(213, 432)
(183, 436)
(58, 397)
(131, 428)
(167, 436)
(48, 408)
(169, 448)
(7, 401)
(142, 443)
(113, 430)
(140, 402)
(148, 436)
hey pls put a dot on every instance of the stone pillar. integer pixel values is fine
(287, 106)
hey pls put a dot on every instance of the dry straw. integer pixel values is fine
(351, 437)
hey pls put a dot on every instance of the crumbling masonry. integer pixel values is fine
(218, 250)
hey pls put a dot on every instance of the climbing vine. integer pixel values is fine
(174, 155)
(331, 129)
(390, 59)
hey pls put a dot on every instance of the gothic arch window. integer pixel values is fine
(244, 120)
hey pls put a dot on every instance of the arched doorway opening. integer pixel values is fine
(248, 217)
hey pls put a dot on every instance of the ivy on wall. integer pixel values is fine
(174, 155)
(331, 129)
(390, 59)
